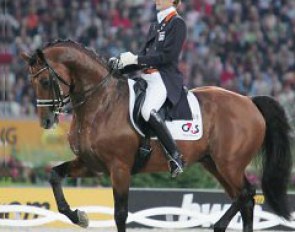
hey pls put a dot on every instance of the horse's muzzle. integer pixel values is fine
(49, 121)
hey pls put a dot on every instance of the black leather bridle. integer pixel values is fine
(59, 100)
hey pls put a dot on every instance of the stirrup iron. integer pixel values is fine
(175, 167)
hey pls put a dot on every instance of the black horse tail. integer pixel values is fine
(277, 159)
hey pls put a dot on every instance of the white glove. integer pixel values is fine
(128, 58)
(115, 63)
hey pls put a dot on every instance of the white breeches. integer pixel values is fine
(156, 94)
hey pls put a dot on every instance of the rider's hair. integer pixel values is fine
(176, 2)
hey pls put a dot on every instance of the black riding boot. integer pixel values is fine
(163, 134)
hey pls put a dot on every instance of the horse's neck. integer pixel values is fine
(108, 100)
(85, 70)
(88, 73)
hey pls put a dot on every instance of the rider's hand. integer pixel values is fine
(128, 58)
(115, 63)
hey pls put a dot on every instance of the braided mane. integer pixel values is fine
(70, 43)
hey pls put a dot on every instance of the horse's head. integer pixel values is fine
(51, 83)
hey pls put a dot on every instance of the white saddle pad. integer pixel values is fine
(179, 129)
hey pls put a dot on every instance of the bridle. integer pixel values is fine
(59, 100)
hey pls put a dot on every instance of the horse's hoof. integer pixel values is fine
(82, 219)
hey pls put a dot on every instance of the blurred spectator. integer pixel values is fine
(15, 168)
(245, 46)
(27, 108)
(10, 107)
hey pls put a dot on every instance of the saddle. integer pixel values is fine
(168, 112)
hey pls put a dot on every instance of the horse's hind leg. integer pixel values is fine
(210, 166)
(244, 199)
(222, 224)
(73, 168)
(247, 206)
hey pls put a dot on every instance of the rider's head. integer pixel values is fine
(164, 4)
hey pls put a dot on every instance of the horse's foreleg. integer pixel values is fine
(73, 168)
(120, 177)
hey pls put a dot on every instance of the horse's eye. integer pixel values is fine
(45, 83)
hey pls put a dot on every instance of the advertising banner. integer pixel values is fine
(157, 208)
(182, 208)
(29, 142)
(37, 207)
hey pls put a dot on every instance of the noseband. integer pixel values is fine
(59, 99)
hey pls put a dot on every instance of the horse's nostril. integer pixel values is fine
(46, 123)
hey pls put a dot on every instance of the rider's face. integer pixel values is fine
(163, 4)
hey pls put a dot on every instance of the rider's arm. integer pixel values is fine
(142, 52)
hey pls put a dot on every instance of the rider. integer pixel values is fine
(158, 59)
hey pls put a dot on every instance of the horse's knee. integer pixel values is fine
(54, 177)
(58, 173)
(218, 228)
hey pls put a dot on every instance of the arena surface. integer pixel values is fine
(44, 229)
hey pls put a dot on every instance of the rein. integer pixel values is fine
(87, 93)
(59, 99)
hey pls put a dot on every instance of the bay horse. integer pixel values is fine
(101, 136)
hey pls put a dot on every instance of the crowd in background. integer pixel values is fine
(245, 46)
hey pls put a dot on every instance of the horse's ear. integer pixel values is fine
(40, 54)
(25, 56)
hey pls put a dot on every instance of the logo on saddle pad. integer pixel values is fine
(190, 128)
(179, 129)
